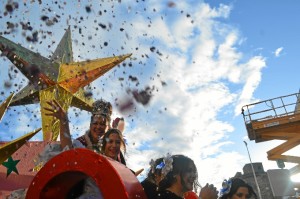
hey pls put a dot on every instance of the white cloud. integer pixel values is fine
(251, 76)
(278, 51)
(195, 93)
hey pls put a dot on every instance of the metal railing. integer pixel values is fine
(272, 108)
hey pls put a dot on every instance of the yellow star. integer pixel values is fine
(57, 78)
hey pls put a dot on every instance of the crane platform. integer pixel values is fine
(276, 119)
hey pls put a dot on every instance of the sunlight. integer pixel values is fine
(295, 178)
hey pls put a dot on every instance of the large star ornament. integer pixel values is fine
(57, 78)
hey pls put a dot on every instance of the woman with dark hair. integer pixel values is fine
(150, 184)
(179, 175)
(236, 188)
(112, 143)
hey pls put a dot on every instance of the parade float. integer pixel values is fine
(62, 79)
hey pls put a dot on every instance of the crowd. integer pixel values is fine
(169, 177)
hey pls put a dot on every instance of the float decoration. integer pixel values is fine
(65, 171)
(10, 147)
(11, 166)
(4, 105)
(57, 78)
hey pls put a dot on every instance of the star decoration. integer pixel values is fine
(4, 105)
(57, 78)
(11, 166)
(9, 148)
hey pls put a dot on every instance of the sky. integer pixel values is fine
(201, 60)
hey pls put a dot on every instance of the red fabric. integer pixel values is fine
(190, 195)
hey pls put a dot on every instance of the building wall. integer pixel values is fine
(262, 179)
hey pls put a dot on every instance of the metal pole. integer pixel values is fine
(258, 189)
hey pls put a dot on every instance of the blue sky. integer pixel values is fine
(213, 56)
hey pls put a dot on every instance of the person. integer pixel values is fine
(179, 175)
(209, 191)
(97, 138)
(100, 123)
(112, 143)
(150, 184)
(236, 188)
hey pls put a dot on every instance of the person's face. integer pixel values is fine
(98, 126)
(241, 193)
(189, 177)
(113, 145)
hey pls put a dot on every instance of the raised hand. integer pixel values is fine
(56, 110)
(208, 192)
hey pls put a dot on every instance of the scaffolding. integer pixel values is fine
(276, 119)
